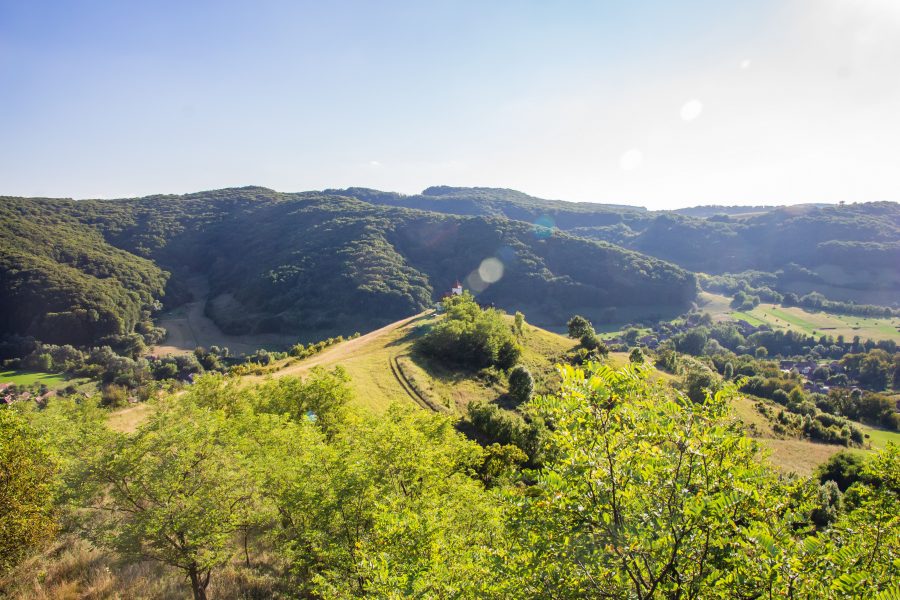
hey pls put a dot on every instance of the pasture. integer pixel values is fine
(54, 381)
(802, 320)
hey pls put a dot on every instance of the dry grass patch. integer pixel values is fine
(128, 419)
(798, 456)
(72, 569)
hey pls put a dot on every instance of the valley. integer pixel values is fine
(187, 327)
(307, 355)
(450, 300)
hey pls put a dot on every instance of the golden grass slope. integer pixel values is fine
(376, 383)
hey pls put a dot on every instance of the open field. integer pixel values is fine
(800, 456)
(188, 327)
(790, 455)
(798, 319)
(367, 361)
(879, 438)
(54, 381)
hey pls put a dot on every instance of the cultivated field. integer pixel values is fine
(811, 323)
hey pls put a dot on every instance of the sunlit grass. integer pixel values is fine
(799, 319)
(28, 378)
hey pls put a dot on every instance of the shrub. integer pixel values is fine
(113, 395)
(579, 327)
(472, 337)
(521, 384)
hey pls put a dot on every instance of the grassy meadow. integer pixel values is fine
(799, 319)
(368, 360)
(54, 381)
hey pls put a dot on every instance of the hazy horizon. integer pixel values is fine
(646, 104)
(420, 192)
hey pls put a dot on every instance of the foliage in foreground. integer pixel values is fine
(642, 494)
(26, 491)
(651, 495)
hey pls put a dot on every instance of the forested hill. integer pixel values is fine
(81, 271)
(848, 252)
(499, 202)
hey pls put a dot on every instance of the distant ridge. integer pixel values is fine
(303, 264)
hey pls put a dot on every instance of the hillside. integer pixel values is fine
(300, 264)
(384, 368)
(847, 252)
(62, 282)
(314, 264)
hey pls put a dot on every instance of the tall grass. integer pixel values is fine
(71, 568)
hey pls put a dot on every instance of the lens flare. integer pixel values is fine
(544, 226)
(490, 270)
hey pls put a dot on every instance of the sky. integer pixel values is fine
(647, 102)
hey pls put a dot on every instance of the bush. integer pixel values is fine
(590, 341)
(844, 468)
(697, 383)
(113, 395)
(506, 427)
(521, 384)
(471, 337)
(579, 327)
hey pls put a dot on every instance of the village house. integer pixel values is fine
(806, 367)
(817, 388)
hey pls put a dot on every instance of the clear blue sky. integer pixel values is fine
(656, 103)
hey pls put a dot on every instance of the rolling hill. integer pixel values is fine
(309, 265)
(384, 368)
(847, 252)
(299, 264)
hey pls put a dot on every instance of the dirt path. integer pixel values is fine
(346, 349)
(410, 390)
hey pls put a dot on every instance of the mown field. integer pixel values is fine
(810, 323)
(53, 381)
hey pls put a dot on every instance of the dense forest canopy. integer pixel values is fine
(849, 252)
(76, 271)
